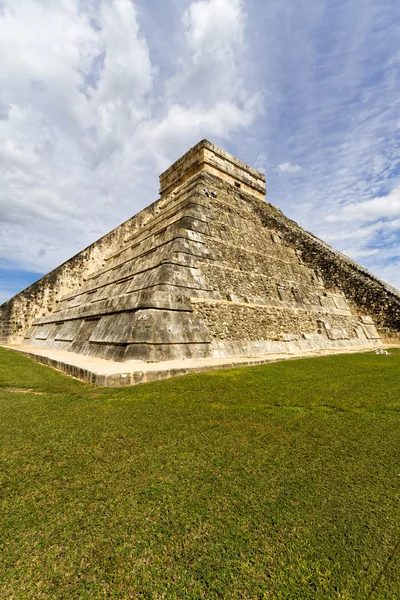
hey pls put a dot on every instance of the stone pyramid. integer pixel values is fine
(209, 270)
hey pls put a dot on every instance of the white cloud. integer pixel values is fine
(356, 253)
(212, 68)
(377, 208)
(261, 163)
(84, 128)
(288, 167)
(119, 99)
(349, 231)
(387, 272)
(214, 28)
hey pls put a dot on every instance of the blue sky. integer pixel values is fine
(97, 97)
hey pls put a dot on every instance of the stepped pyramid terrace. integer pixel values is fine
(208, 275)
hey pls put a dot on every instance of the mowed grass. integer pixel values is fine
(278, 481)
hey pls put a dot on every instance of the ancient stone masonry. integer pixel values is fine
(18, 314)
(208, 270)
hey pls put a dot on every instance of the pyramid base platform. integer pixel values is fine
(107, 373)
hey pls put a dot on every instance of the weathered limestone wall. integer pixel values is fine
(363, 289)
(264, 295)
(230, 321)
(42, 297)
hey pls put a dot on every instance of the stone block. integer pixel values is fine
(371, 332)
(341, 303)
(233, 298)
(68, 330)
(367, 320)
(338, 334)
(287, 337)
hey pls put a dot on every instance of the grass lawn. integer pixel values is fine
(277, 481)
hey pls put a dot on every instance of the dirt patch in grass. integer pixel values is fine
(15, 390)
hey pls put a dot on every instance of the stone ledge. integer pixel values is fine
(127, 303)
(112, 374)
(274, 304)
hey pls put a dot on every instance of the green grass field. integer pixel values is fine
(278, 481)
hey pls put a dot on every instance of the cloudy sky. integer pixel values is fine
(97, 97)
